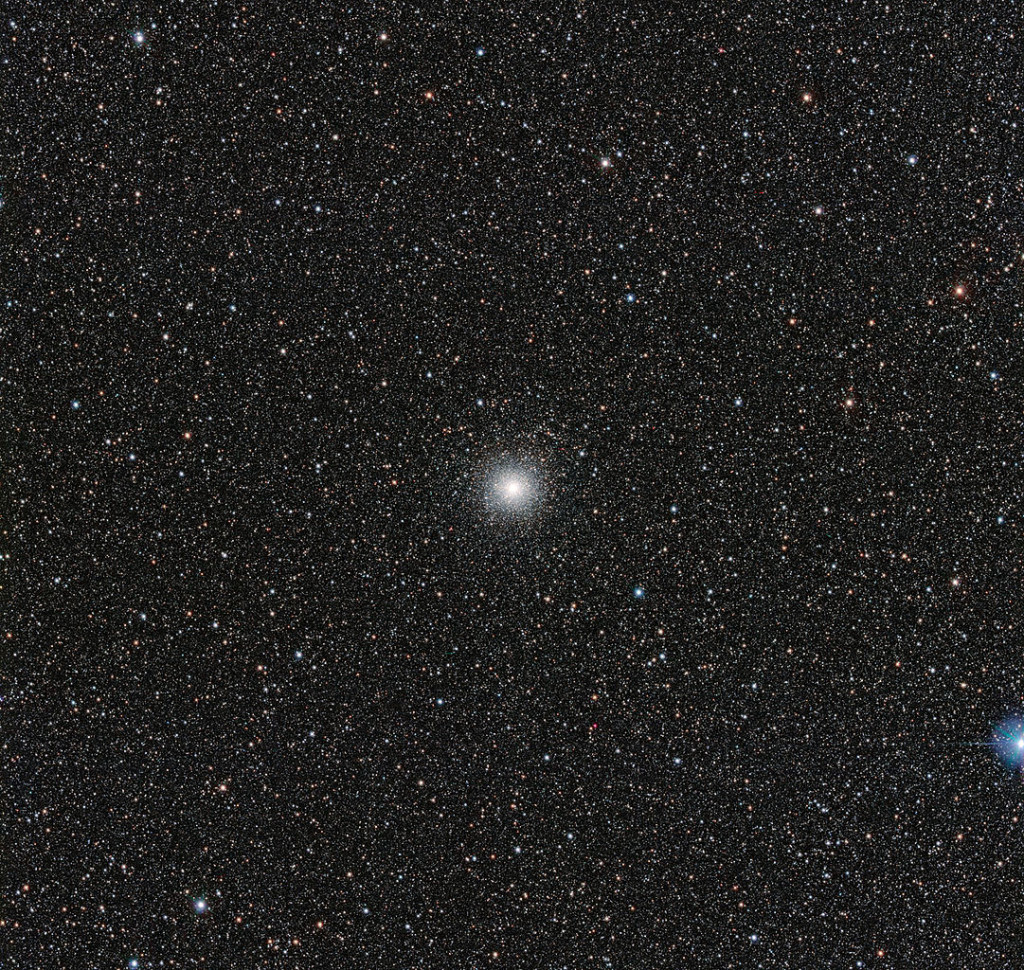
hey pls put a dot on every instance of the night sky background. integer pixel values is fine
(529, 486)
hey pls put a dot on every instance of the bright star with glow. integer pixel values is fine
(1009, 743)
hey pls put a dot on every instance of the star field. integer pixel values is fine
(527, 486)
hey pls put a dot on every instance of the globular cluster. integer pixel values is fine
(529, 485)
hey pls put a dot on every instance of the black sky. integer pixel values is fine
(289, 678)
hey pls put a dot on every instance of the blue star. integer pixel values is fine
(1009, 743)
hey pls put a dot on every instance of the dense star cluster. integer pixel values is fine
(529, 486)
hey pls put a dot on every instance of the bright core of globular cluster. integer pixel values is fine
(512, 490)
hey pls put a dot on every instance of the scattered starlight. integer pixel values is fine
(485, 487)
